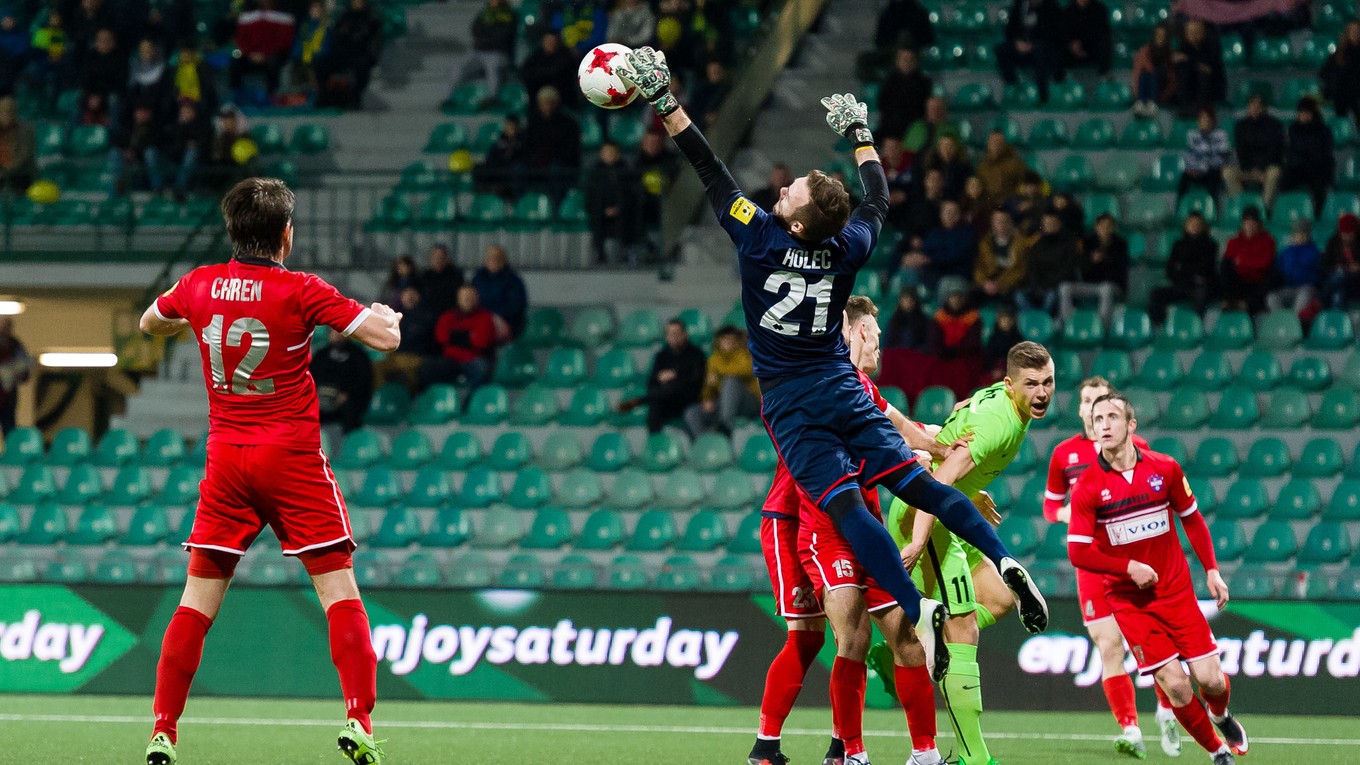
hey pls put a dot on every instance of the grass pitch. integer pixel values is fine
(107, 730)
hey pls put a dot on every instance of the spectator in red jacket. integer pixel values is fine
(1248, 265)
(264, 39)
(464, 344)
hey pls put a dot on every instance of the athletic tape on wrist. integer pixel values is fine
(666, 103)
(860, 136)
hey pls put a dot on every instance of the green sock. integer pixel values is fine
(984, 617)
(962, 689)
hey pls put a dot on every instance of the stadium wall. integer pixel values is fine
(660, 648)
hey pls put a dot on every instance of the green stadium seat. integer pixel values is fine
(393, 214)
(1036, 326)
(655, 531)
(523, 571)
(934, 404)
(1083, 330)
(1165, 172)
(550, 530)
(758, 454)
(510, 451)
(1234, 206)
(88, 141)
(1332, 331)
(1339, 410)
(500, 528)
(628, 572)
(481, 487)
(389, 405)
(1172, 447)
(1147, 408)
(973, 97)
(705, 532)
(471, 571)
(116, 567)
(592, 327)
(697, 324)
(1019, 536)
(1183, 331)
(9, 523)
(362, 448)
(732, 489)
(483, 212)
(82, 485)
(1278, 331)
(18, 570)
(574, 572)
(1048, 134)
(1268, 457)
(421, 571)
(536, 405)
(400, 527)
(711, 452)
(610, 452)
(1273, 542)
(603, 530)
(1053, 545)
(662, 452)
(437, 405)
(451, 527)
(1289, 408)
(1142, 134)
(22, 446)
(269, 139)
(746, 540)
(36, 484)
(1023, 96)
(1237, 409)
(532, 488)
(579, 489)
(131, 486)
(1215, 458)
(1327, 542)
(1255, 583)
(431, 488)
(1161, 370)
(1246, 500)
(1230, 540)
(1147, 210)
(1115, 366)
(1310, 373)
(516, 367)
(379, 487)
(679, 573)
(411, 449)
(1098, 204)
(1321, 458)
(1073, 173)
(1188, 410)
(1298, 500)
(566, 368)
(96, 525)
(1094, 133)
(544, 328)
(1231, 332)
(1261, 370)
(1210, 371)
(186, 524)
(1111, 96)
(588, 407)
(896, 397)
(1350, 372)
(164, 448)
(731, 573)
(461, 450)
(150, 525)
(71, 446)
(684, 488)
(531, 211)
(1130, 329)
(615, 369)
(1291, 206)
(181, 486)
(65, 572)
(640, 329)
(560, 452)
(310, 139)
(1026, 460)
(47, 526)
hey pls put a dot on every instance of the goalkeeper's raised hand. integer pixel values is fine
(850, 118)
(646, 68)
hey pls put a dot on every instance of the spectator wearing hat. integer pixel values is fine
(1192, 270)
(1310, 159)
(1206, 153)
(1259, 138)
(1341, 264)
(730, 389)
(1299, 267)
(1248, 265)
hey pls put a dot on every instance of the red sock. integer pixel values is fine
(1162, 700)
(1197, 724)
(916, 694)
(352, 654)
(181, 651)
(848, 680)
(785, 679)
(1119, 692)
(1218, 705)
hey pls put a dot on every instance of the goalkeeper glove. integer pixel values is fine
(646, 68)
(849, 118)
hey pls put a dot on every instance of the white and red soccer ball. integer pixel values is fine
(599, 84)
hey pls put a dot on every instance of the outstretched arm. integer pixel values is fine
(850, 117)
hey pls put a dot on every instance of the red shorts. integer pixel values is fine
(794, 595)
(1091, 596)
(830, 562)
(1166, 629)
(292, 491)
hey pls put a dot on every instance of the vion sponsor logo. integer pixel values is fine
(463, 647)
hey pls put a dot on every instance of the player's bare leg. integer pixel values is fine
(1118, 686)
(1214, 687)
(912, 683)
(783, 682)
(994, 599)
(845, 610)
(351, 649)
(1190, 712)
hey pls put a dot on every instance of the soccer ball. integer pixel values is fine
(598, 82)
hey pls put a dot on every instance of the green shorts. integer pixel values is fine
(945, 570)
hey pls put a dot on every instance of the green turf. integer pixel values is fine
(51, 729)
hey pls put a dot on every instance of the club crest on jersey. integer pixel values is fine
(1155, 481)
(1072, 458)
(743, 210)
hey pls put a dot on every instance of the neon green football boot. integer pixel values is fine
(359, 746)
(161, 751)
(880, 660)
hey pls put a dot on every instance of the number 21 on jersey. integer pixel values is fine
(240, 382)
(775, 319)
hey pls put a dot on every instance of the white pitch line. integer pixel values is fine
(592, 728)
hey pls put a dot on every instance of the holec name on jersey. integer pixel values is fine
(816, 259)
(237, 289)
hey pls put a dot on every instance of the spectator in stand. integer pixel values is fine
(976, 208)
(1260, 152)
(921, 134)
(916, 214)
(1206, 153)
(1033, 37)
(401, 275)
(139, 142)
(552, 144)
(1200, 77)
(654, 153)
(464, 344)
(1028, 204)
(612, 193)
(902, 96)
(949, 249)
(779, 179)
(353, 49)
(440, 281)
(1087, 38)
(264, 39)
(1310, 157)
(584, 23)
(706, 98)
(1054, 258)
(87, 19)
(1000, 171)
(730, 389)
(551, 65)
(188, 143)
(1005, 335)
(15, 367)
(956, 331)
(1248, 265)
(949, 157)
(417, 342)
(631, 23)
(502, 290)
(14, 51)
(230, 126)
(904, 23)
(493, 48)
(344, 382)
(657, 167)
(18, 148)
(312, 40)
(93, 109)
(1002, 264)
(1341, 264)
(150, 83)
(1192, 270)
(192, 80)
(1154, 73)
(503, 171)
(1072, 213)
(909, 327)
(1299, 271)
(104, 69)
(1103, 271)
(1341, 73)
(676, 379)
(51, 55)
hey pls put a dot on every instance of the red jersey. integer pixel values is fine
(260, 390)
(1122, 516)
(1070, 459)
(785, 498)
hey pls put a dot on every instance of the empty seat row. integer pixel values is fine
(73, 446)
(131, 485)
(1212, 370)
(573, 572)
(1130, 329)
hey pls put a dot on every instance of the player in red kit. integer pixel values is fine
(1070, 459)
(1122, 528)
(253, 321)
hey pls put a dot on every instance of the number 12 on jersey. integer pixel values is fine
(240, 383)
(799, 289)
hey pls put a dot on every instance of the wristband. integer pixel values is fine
(666, 104)
(860, 136)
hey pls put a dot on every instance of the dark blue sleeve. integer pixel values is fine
(858, 238)
(742, 219)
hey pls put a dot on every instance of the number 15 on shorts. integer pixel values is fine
(845, 569)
